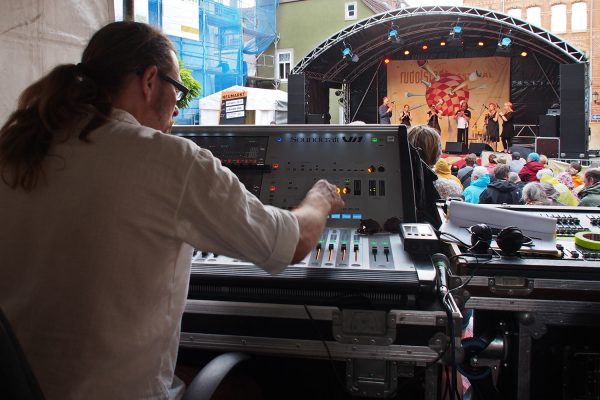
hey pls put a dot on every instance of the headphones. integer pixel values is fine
(509, 239)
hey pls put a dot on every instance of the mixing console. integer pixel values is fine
(370, 165)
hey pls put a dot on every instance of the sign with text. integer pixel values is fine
(233, 107)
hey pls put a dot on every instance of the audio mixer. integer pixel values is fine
(360, 247)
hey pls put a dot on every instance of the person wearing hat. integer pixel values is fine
(531, 167)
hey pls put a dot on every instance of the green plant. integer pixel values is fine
(189, 82)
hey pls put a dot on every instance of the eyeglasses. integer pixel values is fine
(182, 91)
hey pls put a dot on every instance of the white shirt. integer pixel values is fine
(94, 265)
(462, 122)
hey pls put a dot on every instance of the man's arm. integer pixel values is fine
(321, 200)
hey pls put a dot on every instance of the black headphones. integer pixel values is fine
(509, 239)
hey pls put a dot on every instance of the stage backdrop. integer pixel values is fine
(445, 82)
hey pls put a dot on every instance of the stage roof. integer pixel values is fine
(416, 26)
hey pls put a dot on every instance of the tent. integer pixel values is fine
(263, 106)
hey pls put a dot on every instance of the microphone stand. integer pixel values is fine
(477, 120)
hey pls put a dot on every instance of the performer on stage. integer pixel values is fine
(434, 115)
(385, 111)
(463, 117)
(508, 128)
(492, 129)
(405, 117)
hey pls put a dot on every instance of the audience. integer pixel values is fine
(516, 163)
(551, 194)
(590, 195)
(531, 167)
(479, 181)
(514, 178)
(574, 170)
(442, 170)
(464, 174)
(491, 164)
(447, 184)
(534, 194)
(544, 160)
(501, 191)
(565, 197)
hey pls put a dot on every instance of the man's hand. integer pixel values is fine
(321, 200)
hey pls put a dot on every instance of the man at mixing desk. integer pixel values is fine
(101, 209)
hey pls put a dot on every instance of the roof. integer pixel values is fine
(419, 25)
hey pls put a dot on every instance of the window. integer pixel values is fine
(558, 20)
(285, 57)
(534, 16)
(515, 13)
(351, 11)
(579, 17)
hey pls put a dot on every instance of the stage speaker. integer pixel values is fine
(549, 126)
(316, 119)
(456, 148)
(523, 151)
(477, 148)
(573, 131)
(296, 99)
(550, 147)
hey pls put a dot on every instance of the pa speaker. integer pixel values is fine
(456, 148)
(549, 126)
(477, 148)
(573, 132)
(296, 99)
(523, 151)
(550, 147)
(316, 119)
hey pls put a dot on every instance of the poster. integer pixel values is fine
(233, 107)
(181, 18)
(445, 83)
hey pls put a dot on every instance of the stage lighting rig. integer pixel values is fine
(348, 54)
(394, 35)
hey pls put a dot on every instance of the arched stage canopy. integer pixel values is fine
(419, 25)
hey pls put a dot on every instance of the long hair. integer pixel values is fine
(427, 141)
(70, 92)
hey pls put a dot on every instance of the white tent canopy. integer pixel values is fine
(266, 104)
(37, 35)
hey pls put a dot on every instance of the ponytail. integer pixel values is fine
(49, 105)
(70, 92)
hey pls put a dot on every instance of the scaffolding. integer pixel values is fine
(228, 30)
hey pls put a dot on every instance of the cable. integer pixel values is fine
(321, 336)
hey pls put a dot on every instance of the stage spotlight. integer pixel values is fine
(348, 54)
(386, 60)
(456, 30)
(442, 44)
(425, 47)
(523, 54)
(393, 34)
(480, 44)
(339, 93)
(406, 52)
(505, 42)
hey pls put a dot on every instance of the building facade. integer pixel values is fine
(304, 24)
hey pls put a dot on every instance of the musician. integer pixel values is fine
(434, 115)
(492, 129)
(385, 111)
(405, 117)
(463, 117)
(508, 128)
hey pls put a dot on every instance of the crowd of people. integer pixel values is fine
(508, 178)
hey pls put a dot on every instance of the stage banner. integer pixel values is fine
(444, 84)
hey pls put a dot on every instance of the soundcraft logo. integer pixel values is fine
(346, 139)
